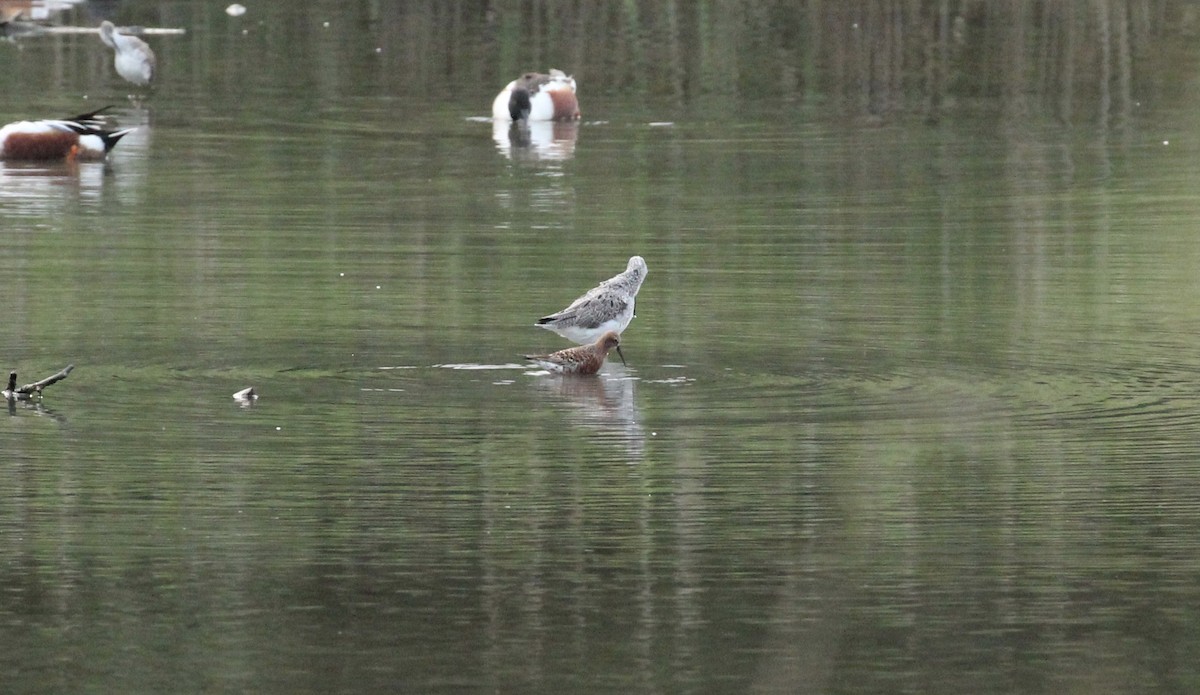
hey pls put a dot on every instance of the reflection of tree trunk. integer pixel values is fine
(719, 32)
(813, 48)
(883, 45)
(874, 56)
(635, 47)
(936, 58)
(878, 42)
(1105, 41)
(1016, 61)
(804, 650)
(1066, 60)
(675, 50)
(1124, 63)
(899, 53)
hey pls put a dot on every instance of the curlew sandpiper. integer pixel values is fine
(583, 359)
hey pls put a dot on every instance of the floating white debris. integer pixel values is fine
(235, 10)
(247, 394)
(672, 380)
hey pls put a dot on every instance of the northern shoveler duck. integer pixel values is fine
(134, 60)
(582, 359)
(606, 307)
(537, 97)
(83, 137)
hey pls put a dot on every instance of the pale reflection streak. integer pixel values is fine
(40, 188)
(536, 141)
(606, 403)
(130, 157)
(543, 146)
(32, 407)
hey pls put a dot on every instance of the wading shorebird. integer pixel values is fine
(134, 60)
(584, 359)
(537, 97)
(83, 137)
(606, 307)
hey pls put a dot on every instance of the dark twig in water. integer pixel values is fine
(27, 391)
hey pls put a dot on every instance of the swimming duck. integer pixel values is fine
(84, 137)
(538, 97)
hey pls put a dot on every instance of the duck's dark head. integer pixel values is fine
(518, 104)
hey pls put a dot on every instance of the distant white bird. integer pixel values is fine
(537, 97)
(606, 307)
(134, 60)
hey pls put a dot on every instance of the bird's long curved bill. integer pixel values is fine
(622, 356)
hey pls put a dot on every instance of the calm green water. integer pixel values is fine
(908, 408)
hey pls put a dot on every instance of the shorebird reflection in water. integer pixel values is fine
(584, 359)
(606, 307)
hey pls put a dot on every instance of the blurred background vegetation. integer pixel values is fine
(1072, 61)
